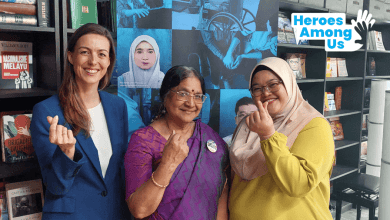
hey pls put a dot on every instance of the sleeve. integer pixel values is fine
(121, 6)
(138, 163)
(134, 119)
(58, 171)
(300, 169)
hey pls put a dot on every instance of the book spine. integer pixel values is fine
(2, 139)
(29, 2)
(74, 14)
(43, 13)
(337, 97)
(12, 8)
(18, 19)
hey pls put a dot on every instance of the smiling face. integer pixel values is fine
(277, 101)
(90, 59)
(144, 56)
(183, 111)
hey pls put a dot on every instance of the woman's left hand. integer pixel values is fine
(261, 122)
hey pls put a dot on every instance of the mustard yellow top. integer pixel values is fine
(297, 183)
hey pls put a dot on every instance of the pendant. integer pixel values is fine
(212, 146)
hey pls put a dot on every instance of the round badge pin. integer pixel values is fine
(212, 146)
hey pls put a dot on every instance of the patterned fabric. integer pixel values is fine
(198, 181)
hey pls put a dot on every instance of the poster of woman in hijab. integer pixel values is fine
(156, 14)
(143, 59)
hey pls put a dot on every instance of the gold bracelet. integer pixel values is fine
(155, 183)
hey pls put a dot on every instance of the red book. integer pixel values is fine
(16, 62)
(337, 97)
(15, 136)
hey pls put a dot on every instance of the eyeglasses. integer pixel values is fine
(185, 96)
(272, 87)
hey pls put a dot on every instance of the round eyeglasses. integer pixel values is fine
(186, 96)
(272, 87)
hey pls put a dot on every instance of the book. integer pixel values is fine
(367, 97)
(16, 141)
(16, 61)
(83, 12)
(285, 30)
(331, 102)
(30, 20)
(333, 66)
(364, 122)
(341, 67)
(363, 149)
(3, 202)
(337, 128)
(25, 200)
(294, 60)
(328, 72)
(30, 2)
(302, 58)
(326, 103)
(12, 8)
(337, 97)
(332, 105)
(43, 7)
(379, 41)
(371, 66)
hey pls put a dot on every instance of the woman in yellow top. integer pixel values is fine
(281, 155)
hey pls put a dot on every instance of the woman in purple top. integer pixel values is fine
(175, 167)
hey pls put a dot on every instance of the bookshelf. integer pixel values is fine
(47, 78)
(314, 86)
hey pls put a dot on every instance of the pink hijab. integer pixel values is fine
(247, 158)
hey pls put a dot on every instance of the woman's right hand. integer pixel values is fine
(261, 122)
(175, 151)
(61, 136)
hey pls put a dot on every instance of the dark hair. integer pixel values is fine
(75, 112)
(243, 101)
(258, 69)
(173, 78)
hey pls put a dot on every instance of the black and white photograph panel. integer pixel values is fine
(147, 14)
(143, 100)
(143, 57)
(26, 205)
(210, 110)
(234, 15)
(235, 105)
(224, 59)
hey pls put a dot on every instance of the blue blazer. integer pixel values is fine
(76, 189)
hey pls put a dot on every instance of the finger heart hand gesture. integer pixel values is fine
(60, 135)
(175, 150)
(261, 122)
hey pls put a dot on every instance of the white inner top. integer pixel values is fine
(100, 136)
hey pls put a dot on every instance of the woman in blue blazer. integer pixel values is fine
(80, 135)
